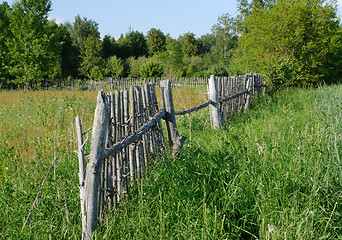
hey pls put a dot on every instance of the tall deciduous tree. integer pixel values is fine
(115, 67)
(294, 42)
(189, 44)
(34, 47)
(156, 41)
(173, 58)
(4, 35)
(92, 65)
(225, 34)
(70, 53)
(82, 28)
(133, 44)
(108, 46)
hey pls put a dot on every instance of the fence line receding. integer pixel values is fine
(127, 133)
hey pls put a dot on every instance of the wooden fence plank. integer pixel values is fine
(175, 141)
(214, 110)
(95, 163)
(81, 174)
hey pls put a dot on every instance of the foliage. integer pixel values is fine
(115, 67)
(303, 35)
(133, 44)
(5, 34)
(81, 29)
(69, 53)
(92, 65)
(294, 43)
(172, 59)
(195, 66)
(189, 44)
(33, 47)
(135, 65)
(156, 41)
(109, 46)
(225, 33)
(205, 43)
(151, 69)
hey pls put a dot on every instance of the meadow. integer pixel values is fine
(272, 173)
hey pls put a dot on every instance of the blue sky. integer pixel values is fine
(175, 17)
(114, 17)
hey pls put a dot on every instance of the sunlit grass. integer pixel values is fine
(272, 173)
(37, 127)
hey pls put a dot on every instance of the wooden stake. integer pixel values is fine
(95, 163)
(175, 141)
(214, 106)
(81, 174)
(249, 88)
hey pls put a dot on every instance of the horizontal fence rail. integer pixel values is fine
(127, 132)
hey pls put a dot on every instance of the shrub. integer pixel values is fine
(151, 69)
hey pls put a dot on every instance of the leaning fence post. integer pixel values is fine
(175, 141)
(93, 173)
(249, 88)
(81, 174)
(214, 109)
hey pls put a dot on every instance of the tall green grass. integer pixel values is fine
(272, 173)
(36, 128)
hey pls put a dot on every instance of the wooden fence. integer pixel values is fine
(121, 83)
(127, 133)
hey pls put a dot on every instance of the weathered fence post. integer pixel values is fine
(249, 88)
(81, 174)
(93, 173)
(214, 109)
(175, 141)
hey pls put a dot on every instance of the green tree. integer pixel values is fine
(81, 29)
(172, 59)
(92, 65)
(135, 65)
(151, 69)
(34, 46)
(294, 42)
(69, 54)
(189, 44)
(108, 46)
(115, 67)
(225, 33)
(137, 43)
(194, 66)
(205, 43)
(4, 34)
(133, 44)
(156, 41)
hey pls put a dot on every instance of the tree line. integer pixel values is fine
(292, 42)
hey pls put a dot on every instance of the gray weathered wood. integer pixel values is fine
(234, 96)
(190, 110)
(133, 129)
(214, 104)
(175, 141)
(95, 163)
(136, 135)
(249, 87)
(81, 174)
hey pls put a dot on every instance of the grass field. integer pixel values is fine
(272, 173)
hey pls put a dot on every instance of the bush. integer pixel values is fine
(151, 69)
(115, 67)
